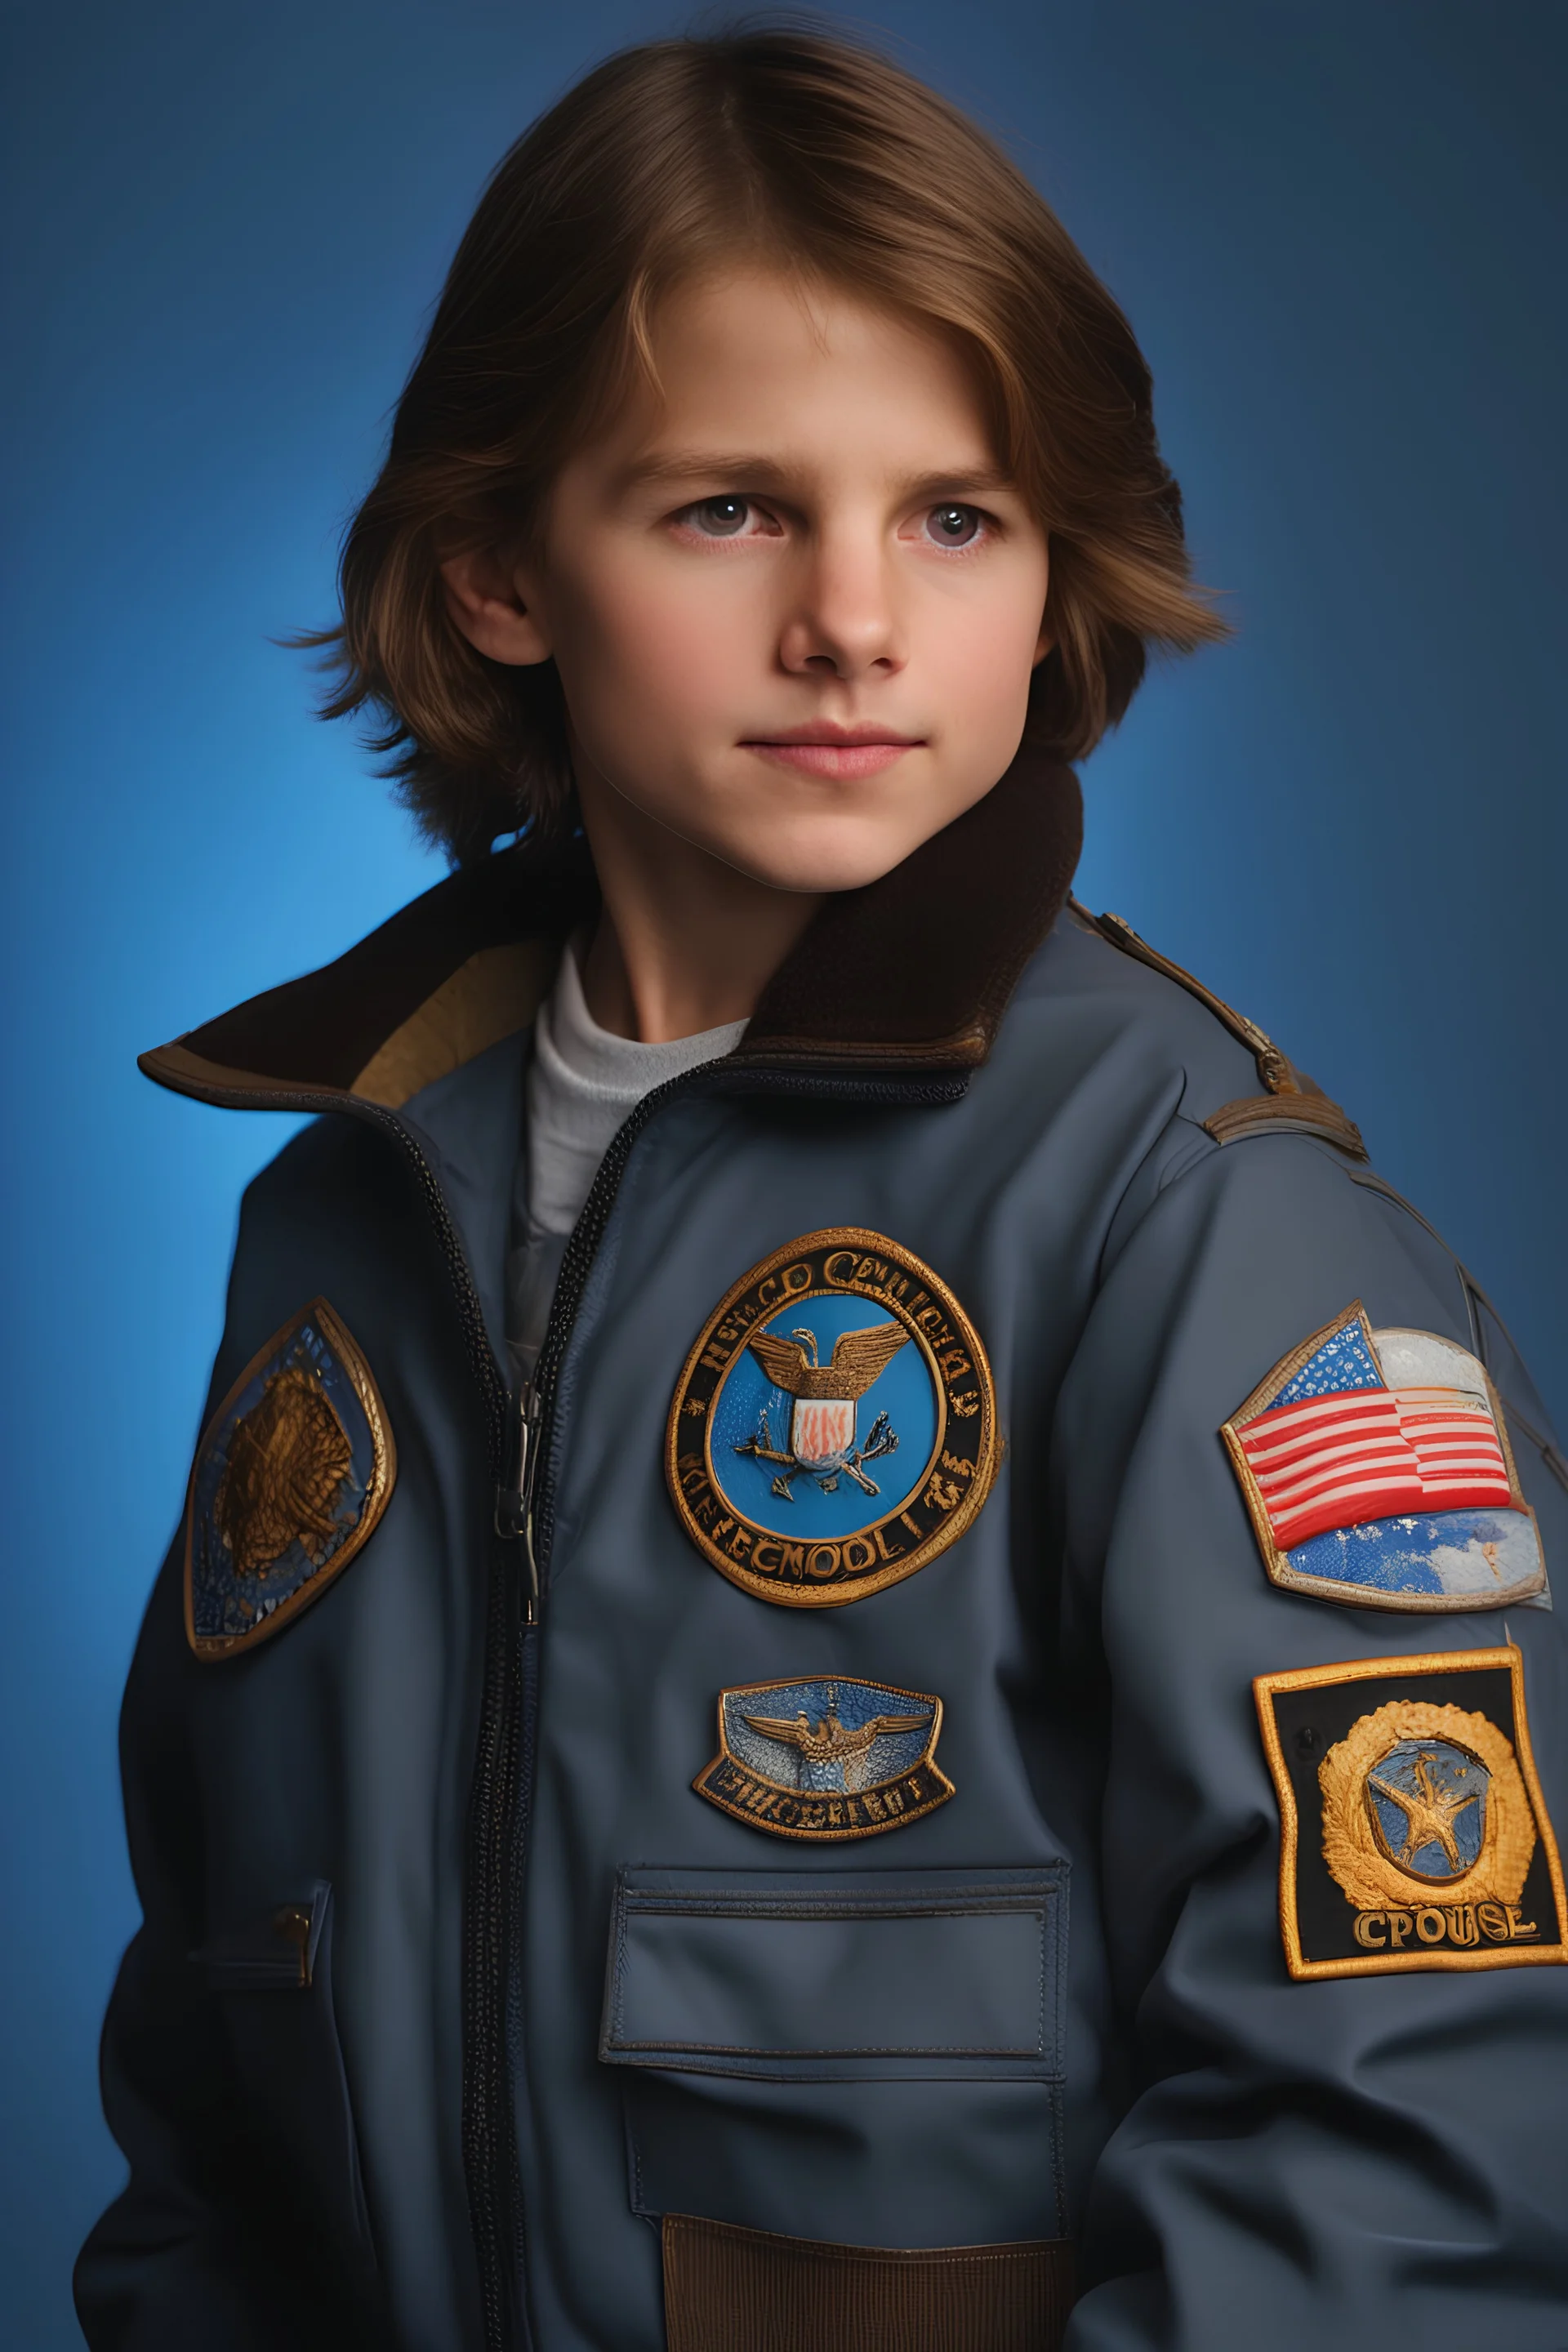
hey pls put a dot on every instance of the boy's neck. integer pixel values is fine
(684, 942)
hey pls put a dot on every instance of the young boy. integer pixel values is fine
(860, 1655)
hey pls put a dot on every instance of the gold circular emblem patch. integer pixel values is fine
(1428, 1801)
(835, 1426)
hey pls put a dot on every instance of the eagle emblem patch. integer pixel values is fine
(1412, 1832)
(827, 1757)
(290, 1478)
(1376, 1469)
(835, 1426)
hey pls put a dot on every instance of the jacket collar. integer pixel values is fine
(912, 973)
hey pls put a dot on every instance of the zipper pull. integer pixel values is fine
(514, 1496)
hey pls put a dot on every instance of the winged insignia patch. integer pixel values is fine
(830, 1757)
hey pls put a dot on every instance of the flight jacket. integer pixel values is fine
(494, 1991)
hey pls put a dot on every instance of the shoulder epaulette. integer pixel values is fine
(1290, 1100)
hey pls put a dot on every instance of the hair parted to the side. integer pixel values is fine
(792, 147)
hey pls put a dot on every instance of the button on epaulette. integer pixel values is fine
(1291, 1101)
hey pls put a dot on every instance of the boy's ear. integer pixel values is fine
(485, 598)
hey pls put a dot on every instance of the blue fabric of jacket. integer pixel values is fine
(423, 2147)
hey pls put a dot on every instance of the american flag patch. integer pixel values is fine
(1336, 1461)
(1376, 1467)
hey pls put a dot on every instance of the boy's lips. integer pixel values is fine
(824, 750)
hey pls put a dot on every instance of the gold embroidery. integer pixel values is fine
(828, 1741)
(289, 1481)
(288, 1459)
(1355, 1845)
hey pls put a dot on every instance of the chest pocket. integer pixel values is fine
(867, 2057)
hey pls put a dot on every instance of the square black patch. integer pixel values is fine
(1413, 1831)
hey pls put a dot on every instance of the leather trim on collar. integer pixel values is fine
(912, 973)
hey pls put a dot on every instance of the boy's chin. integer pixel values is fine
(814, 868)
(826, 856)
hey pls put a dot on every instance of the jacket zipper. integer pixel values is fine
(520, 1431)
(514, 1496)
(489, 1890)
(503, 1771)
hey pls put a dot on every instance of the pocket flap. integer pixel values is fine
(290, 2084)
(846, 1975)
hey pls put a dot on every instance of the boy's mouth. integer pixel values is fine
(825, 749)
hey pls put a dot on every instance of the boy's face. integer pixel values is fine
(794, 606)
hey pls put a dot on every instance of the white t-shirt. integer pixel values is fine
(583, 1082)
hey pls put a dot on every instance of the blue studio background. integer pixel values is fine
(1337, 230)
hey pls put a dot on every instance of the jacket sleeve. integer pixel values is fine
(210, 2244)
(181, 2257)
(1355, 2161)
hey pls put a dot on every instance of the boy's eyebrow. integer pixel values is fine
(979, 478)
(756, 471)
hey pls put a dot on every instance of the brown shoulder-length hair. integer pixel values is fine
(792, 147)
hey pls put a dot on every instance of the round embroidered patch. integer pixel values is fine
(835, 1426)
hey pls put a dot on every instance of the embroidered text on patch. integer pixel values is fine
(835, 1425)
(1413, 1831)
(1376, 1468)
(292, 1473)
(829, 1757)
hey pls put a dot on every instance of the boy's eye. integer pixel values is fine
(719, 518)
(954, 525)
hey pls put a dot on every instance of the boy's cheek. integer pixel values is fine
(973, 682)
(668, 638)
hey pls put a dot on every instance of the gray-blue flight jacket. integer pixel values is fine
(971, 1764)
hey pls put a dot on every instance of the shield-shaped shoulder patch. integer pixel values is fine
(292, 1473)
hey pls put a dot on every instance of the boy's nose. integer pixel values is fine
(843, 623)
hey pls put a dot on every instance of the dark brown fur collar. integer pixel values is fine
(913, 972)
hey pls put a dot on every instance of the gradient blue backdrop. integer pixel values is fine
(1337, 228)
